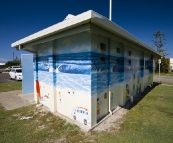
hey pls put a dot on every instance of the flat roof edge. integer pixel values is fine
(113, 27)
(81, 18)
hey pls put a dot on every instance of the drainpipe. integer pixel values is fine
(19, 47)
(109, 74)
(131, 98)
(110, 18)
(110, 101)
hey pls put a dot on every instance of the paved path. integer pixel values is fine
(163, 79)
(15, 99)
(5, 77)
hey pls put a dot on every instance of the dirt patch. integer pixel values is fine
(165, 110)
(113, 122)
(61, 140)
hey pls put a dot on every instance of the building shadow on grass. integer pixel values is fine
(137, 98)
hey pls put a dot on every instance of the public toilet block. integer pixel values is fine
(86, 66)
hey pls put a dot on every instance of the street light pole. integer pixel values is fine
(159, 69)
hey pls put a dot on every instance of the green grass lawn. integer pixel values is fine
(150, 121)
(164, 74)
(9, 86)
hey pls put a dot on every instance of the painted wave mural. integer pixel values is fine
(79, 70)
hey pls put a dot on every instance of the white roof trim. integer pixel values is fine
(55, 28)
(69, 16)
(81, 19)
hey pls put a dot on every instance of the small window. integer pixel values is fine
(130, 53)
(102, 47)
(129, 62)
(118, 50)
(102, 60)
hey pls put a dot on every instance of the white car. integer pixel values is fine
(16, 74)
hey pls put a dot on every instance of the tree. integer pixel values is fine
(164, 66)
(12, 63)
(159, 42)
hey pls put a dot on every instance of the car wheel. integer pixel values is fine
(74, 117)
(16, 78)
(85, 122)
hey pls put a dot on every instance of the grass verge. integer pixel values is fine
(9, 86)
(151, 120)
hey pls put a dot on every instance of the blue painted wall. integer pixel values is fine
(27, 73)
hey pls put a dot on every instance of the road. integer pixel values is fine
(4, 77)
(163, 79)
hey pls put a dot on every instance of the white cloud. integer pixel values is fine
(2, 60)
(81, 48)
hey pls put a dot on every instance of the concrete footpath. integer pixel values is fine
(15, 99)
(163, 79)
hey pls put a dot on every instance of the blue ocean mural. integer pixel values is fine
(78, 67)
(65, 68)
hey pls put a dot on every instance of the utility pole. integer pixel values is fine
(110, 10)
(13, 56)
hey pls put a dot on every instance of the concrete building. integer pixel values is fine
(86, 66)
(170, 64)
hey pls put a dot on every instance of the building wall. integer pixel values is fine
(62, 70)
(74, 74)
(120, 68)
(171, 64)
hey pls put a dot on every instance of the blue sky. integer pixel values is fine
(142, 18)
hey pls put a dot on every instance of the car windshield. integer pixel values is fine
(19, 71)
